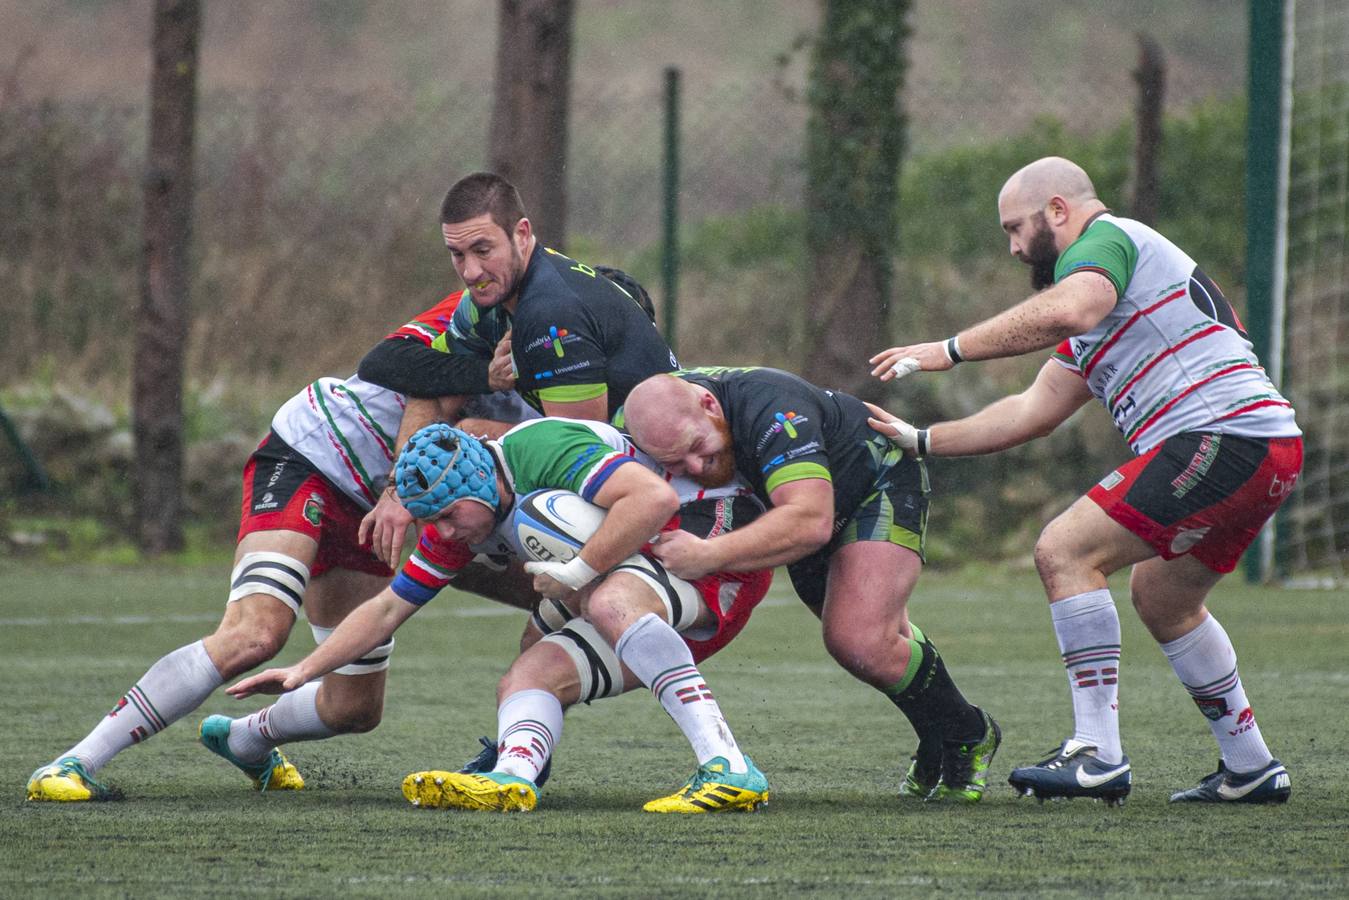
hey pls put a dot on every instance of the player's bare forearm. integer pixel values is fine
(1054, 396)
(799, 522)
(639, 503)
(1073, 306)
(365, 628)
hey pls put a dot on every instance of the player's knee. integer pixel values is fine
(859, 650)
(244, 645)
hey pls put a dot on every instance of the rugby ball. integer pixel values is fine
(552, 525)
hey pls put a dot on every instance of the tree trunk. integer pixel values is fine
(1151, 78)
(161, 321)
(854, 144)
(528, 142)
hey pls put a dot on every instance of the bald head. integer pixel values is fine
(682, 426)
(1036, 184)
(659, 412)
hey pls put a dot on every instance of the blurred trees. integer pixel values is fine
(528, 142)
(854, 143)
(161, 321)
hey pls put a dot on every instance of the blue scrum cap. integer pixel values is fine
(440, 465)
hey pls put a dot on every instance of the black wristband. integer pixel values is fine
(922, 442)
(953, 350)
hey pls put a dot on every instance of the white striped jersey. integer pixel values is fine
(1172, 355)
(347, 430)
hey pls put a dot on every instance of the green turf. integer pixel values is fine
(72, 640)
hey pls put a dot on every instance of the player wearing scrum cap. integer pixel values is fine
(640, 625)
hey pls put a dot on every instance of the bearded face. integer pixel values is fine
(721, 469)
(1041, 254)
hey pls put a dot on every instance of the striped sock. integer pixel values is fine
(659, 657)
(1087, 627)
(1206, 664)
(293, 717)
(529, 725)
(174, 686)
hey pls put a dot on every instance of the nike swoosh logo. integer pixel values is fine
(1090, 781)
(1227, 792)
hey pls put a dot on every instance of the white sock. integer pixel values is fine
(1206, 664)
(529, 725)
(171, 689)
(293, 717)
(659, 657)
(1087, 627)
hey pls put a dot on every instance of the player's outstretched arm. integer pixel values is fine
(1073, 306)
(367, 626)
(1055, 395)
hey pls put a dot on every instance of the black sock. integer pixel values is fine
(933, 704)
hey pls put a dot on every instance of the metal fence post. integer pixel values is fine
(670, 236)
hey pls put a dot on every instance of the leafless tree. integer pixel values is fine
(161, 321)
(528, 142)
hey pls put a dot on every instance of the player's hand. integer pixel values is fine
(904, 435)
(501, 370)
(900, 361)
(556, 580)
(272, 681)
(684, 555)
(385, 527)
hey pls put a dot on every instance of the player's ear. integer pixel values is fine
(520, 234)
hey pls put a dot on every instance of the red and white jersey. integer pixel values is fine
(347, 429)
(1172, 355)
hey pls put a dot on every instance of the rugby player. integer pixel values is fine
(640, 626)
(846, 513)
(1140, 327)
(570, 338)
(322, 467)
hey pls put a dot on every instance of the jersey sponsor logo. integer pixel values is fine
(556, 337)
(810, 447)
(1185, 540)
(782, 421)
(268, 501)
(562, 370)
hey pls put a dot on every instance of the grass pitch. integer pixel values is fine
(72, 640)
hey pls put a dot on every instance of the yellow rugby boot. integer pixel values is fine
(275, 773)
(466, 790)
(65, 781)
(715, 788)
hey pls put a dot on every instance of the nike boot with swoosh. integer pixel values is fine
(1074, 771)
(1268, 785)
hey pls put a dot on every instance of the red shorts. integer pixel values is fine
(731, 596)
(283, 491)
(1202, 493)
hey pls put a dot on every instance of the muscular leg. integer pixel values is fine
(1169, 596)
(627, 613)
(342, 703)
(1075, 554)
(251, 631)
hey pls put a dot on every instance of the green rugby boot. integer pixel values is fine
(275, 773)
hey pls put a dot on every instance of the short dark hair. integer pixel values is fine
(479, 193)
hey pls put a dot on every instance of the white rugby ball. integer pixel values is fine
(552, 525)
